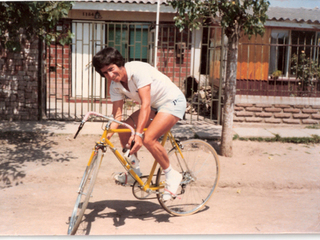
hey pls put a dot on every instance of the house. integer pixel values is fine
(288, 31)
(268, 89)
(73, 87)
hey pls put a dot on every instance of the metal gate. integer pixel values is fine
(74, 88)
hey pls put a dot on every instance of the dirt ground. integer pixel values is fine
(263, 188)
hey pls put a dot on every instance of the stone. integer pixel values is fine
(282, 115)
(310, 121)
(309, 111)
(273, 109)
(291, 110)
(254, 109)
(264, 115)
(272, 120)
(244, 114)
(253, 119)
(301, 116)
(291, 121)
(315, 116)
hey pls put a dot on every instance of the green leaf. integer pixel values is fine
(13, 46)
(36, 18)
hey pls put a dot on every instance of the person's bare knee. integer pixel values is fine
(148, 142)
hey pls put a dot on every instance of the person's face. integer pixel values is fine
(113, 73)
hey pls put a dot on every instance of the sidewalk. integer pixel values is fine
(182, 130)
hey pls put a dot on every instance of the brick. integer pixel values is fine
(273, 120)
(291, 110)
(299, 106)
(309, 111)
(301, 116)
(262, 105)
(254, 109)
(273, 109)
(310, 121)
(291, 121)
(253, 119)
(282, 106)
(282, 115)
(315, 106)
(244, 114)
(238, 109)
(244, 105)
(264, 115)
(315, 116)
(238, 119)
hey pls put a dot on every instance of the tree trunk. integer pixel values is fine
(229, 96)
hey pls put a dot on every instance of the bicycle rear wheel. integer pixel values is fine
(199, 166)
(84, 192)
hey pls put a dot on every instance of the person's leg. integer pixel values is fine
(132, 121)
(161, 123)
(124, 177)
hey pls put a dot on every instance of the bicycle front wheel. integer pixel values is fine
(199, 165)
(84, 192)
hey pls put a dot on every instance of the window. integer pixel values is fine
(286, 43)
(131, 40)
(279, 53)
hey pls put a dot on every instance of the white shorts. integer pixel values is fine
(176, 107)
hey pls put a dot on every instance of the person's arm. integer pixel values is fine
(116, 112)
(144, 114)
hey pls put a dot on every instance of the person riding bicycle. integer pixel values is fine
(160, 99)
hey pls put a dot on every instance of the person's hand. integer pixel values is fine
(137, 143)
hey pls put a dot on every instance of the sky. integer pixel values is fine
(295, 3)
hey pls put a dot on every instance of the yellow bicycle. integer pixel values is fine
(195, 159)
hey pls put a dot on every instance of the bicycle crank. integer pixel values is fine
(139, 193)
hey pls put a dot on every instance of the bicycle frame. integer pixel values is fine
(105, 142)
(145, 186)
(197, 152)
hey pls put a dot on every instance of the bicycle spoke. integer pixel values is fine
(84, 193)
(200, 177)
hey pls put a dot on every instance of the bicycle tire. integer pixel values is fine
(84, 193)
(201, 171)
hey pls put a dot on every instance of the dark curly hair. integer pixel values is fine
(107, 56)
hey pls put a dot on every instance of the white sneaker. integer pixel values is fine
(172, 185)
(125, 178)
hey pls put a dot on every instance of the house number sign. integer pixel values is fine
(88, 14)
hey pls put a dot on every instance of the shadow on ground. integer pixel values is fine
(123, 210)
(19, 148)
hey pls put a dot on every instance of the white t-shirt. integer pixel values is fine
(139, 75)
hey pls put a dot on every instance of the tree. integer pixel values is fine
(34, 19)
(307, 71)
(235, 17)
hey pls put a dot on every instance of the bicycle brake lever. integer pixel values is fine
(132, 144)
(79, 129)
(126, 150)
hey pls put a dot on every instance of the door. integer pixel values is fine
(89, 39)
